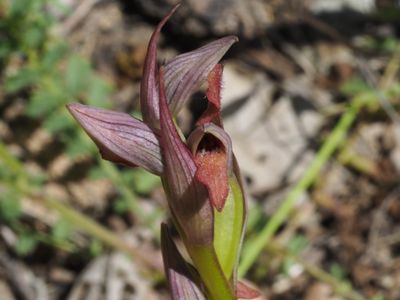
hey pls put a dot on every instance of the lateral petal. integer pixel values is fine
(120, 137)
(185, 73)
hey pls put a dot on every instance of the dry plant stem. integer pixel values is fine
(134, 207)
(340, 288)
(91, 227)
(388, 77)
(391, 70)
(77, 16)
(77, 219)
(113, 174)
(357, 162)
(254, 247)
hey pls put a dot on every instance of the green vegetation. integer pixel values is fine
(42, 69)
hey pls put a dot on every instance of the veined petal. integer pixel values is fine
(188, 198)
(120, 137)
(180, 275)
(212, 150)
(185, 73)
(149, 95)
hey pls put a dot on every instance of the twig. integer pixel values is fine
(96, 230)
(77, 16)
(373, 83)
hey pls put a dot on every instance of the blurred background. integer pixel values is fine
(310, 99)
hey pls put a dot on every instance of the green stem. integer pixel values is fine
(253, 249)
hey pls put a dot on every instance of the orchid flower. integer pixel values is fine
(200, 175)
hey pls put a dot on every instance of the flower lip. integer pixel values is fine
(212, 151)
(211, 138)
(210, 143)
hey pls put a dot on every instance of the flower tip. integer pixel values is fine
(82, 113)
(230, 39)
(176, 6)
(76, 109)
(172, 11)
(72, 107)
(234, 38)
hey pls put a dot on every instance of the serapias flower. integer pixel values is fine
(200, 175)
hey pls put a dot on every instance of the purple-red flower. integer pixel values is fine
(200, 175)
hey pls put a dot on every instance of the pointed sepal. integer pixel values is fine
(187, 72)
(120, 137)
(149, 92)
(182, 278)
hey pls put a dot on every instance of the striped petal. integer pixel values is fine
(187, 72)
(120, 137)
(149, 96)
